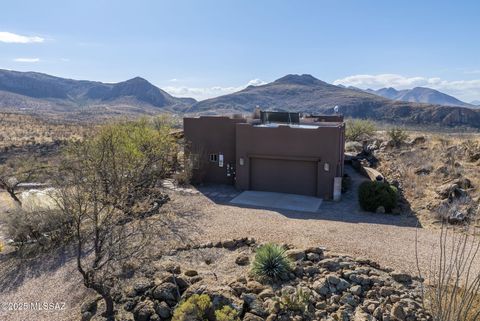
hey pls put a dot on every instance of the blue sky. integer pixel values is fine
(204, 48)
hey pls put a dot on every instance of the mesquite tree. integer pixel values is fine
(108, 186)
(16, 171)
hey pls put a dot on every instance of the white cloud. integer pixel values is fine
(9, 37)
(201, 93)
(466, 90)
(29, 60)
(256, 82)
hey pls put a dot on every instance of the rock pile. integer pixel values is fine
(320, 287)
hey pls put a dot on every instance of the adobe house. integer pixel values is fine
(278, 152)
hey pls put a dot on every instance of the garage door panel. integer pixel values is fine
(283, 176)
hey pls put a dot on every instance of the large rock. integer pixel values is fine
(361, 315)
(144, 310)
(295, 254)
(166, 292)
(242, 259)
(163, 310)
(254, 305)
(450, 191)
(142, 285)
(252, 317)
(332, 264)
(190, 273)
(255, 287)
(398, 313)
(321, 287)
(401, 277)
(356, 147)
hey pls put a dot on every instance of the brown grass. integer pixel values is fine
(447, 156)
(17, 130)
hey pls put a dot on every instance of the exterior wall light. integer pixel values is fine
(326, 167)
(241, 161)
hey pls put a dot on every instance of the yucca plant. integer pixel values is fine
(270, 262)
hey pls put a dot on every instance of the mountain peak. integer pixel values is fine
(420, 95)
(137, 80)
(304, 79)
(76, 92)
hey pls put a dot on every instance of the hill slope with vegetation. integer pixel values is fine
(305, 93)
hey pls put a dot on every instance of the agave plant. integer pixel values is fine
(271, 262)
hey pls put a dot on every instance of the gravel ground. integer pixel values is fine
(340, 227)
(49, 279)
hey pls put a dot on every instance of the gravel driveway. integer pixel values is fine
(340, 227)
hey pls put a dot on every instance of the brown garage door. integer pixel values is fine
(283, 176)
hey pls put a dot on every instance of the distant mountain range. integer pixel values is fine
(54, 97)
(305, 93)
(37, 92)
(475, 102)
(420, 95)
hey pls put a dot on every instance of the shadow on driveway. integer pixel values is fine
(346, 210)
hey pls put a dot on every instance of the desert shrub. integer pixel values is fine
(226, 313)
(359, 129)
(453, 288)
(374, 194)
(185, 175)
(270, 262)
(397, 136)
(297, 300)
(1, 246)
(195, 308)
(38, 226)
(471, 150)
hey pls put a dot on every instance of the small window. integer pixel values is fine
(213, 158)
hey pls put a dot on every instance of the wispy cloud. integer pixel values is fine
(29, 60)
(466, 90)
(9, 37)
(477, 71)
(201, 93)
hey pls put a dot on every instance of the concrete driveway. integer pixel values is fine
(291, 202)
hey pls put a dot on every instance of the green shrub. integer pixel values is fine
(397, 136)
(270, 262)
(195, 308)
(1, 247)
(374, 194)
(296, 301)
(226, 313)
(359, 129)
